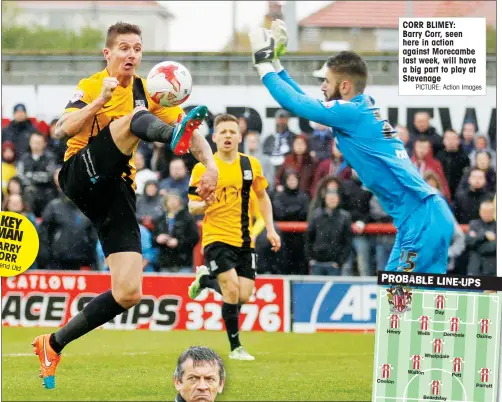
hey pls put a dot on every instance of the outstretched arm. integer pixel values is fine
(338, 114)
(290, 81)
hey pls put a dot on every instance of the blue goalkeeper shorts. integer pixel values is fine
(423, 239)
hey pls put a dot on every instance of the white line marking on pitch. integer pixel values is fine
(74, 354)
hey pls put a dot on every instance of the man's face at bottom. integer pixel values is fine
(200, 383)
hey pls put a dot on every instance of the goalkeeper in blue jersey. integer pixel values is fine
(370, 145)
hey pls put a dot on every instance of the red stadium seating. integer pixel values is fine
(41, 126)
(5, 122)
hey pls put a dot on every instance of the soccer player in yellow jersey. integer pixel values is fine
(226, 240)
(104, 121)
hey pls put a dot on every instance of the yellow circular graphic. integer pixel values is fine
(19, 243)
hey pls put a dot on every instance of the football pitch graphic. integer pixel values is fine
(436, 345)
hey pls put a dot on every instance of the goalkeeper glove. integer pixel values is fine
(262, 46)
(280, 35)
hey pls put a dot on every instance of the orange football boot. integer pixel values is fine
(49, 360)
(182, 136)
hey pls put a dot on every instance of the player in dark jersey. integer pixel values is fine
(109, 113)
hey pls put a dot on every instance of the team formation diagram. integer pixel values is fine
(436, 345)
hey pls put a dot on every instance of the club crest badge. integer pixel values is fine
(79, 94)
(399, 299)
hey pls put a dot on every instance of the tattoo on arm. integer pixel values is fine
(200, 149)
(59, 132)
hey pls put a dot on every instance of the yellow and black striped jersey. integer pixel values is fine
(229, 219)
(123, 102)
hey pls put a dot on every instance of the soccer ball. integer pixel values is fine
(169, 83)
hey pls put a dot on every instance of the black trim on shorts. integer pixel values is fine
(246, 187)
(127, 178)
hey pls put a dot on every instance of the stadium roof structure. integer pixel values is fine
(85, 4)
(386, 14)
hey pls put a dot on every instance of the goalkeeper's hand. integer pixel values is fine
(280, 35)
(262, 46)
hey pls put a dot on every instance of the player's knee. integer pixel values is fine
(121, 125)
(243, 299)
(245, 296)
(233, 294)
(138, 109)
(127, 293)
(119, 128)
(135, 121)
(128, 298)
(231, 291)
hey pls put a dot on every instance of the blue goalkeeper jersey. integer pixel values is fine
(369, 144)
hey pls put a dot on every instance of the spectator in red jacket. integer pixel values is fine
(334, 166)
(422, 158)
(299, 161)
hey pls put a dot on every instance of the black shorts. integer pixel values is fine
(220, 257)
(92, 179)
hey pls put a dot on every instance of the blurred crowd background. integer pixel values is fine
(321, 209)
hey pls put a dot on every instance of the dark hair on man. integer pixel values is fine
(423, 138)
(224, 117)
(200, 355)
(120, 28)
(351, 65)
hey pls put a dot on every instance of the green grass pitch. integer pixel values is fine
(396, 347)
(138, 365)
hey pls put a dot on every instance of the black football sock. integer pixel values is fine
(211, 283)
(150, 128)
(230, 314)
(97, 312)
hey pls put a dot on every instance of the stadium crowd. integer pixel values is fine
(308, 181)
